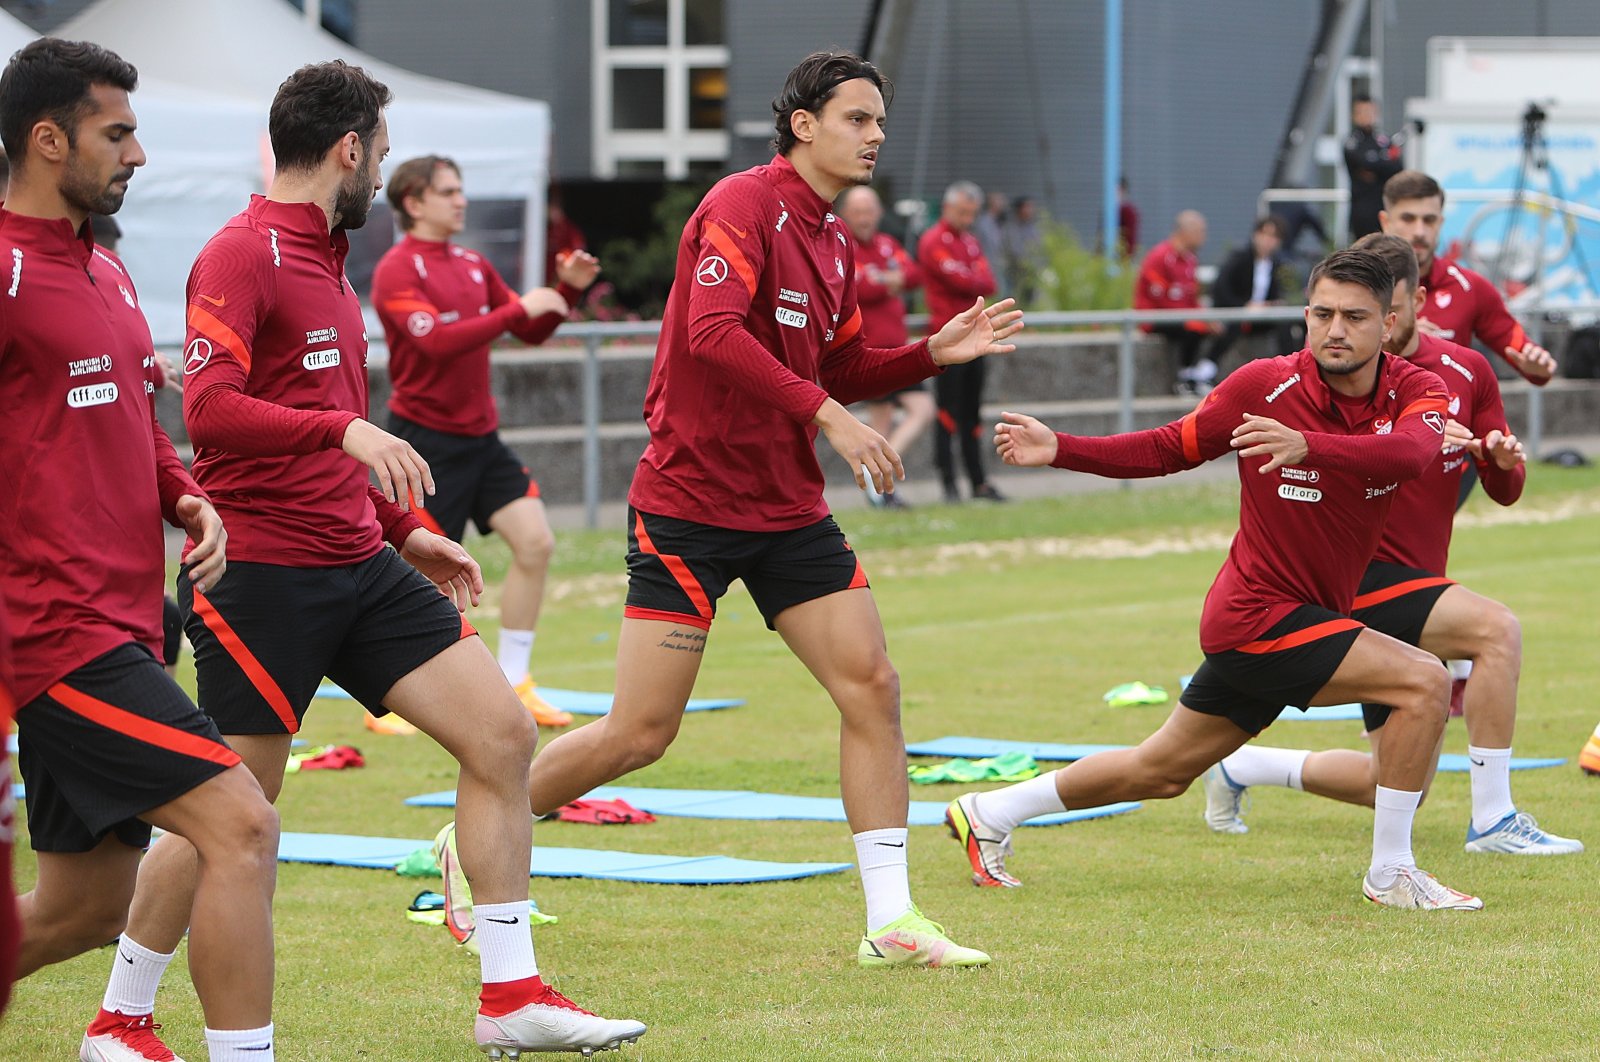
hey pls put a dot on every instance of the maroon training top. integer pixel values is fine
(761, 326)
(441, 306)
(1466, 306)
(86, 472)
(1417, 533)
(1306, 531)
(883, 312)
(954, 272)
(276, 369)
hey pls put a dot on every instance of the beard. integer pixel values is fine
(1348, 365)
(1398, 339)
(354, 201)
(89, 193)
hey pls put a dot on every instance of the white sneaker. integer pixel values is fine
(1518, 834)
(1224, 801)
(115, 1037)
(1418, 890)
(552, 1022)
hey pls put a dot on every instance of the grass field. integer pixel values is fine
(1141, 937)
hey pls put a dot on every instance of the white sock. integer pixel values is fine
(1491, 786)
(135, 975)
(1003, 810)
(515, 647)
(1392, 812)
(1266, 766)
(1459, 669)
(240, 1045)
(881, 855)
(505, 941)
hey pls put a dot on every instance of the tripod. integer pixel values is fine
(1535, 157)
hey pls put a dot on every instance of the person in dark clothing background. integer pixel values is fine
(1249, 277)
(1371, 158)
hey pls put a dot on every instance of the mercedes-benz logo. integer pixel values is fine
(199, 353)
(713, 270)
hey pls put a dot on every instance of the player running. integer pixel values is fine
(109, 745)
(1348, 423)
(1405, 595)
(441, 306)
(760, 350)
(276, 368)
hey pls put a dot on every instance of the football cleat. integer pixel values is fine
(986, 850)
(551, 1022)
(458, 918)
(115, 1037)
(544, 713)
(1418, 890)
(912, 940)
(1589, 758)
(1224, 801)
(1518, 834)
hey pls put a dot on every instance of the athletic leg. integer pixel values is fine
(969, 424)
(523, 525)
(78, 902)
(916, 413)
(946, 390)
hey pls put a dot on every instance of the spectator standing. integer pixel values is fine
(1167, 282)
(1370, 158)
(1020, 240)
(990, 227)
(956, 271)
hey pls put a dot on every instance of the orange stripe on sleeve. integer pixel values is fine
(728, 249)
(1423, 405)
(139, 728)
(207, 324)
(847, 332)
(1191, 435)
(258, 676)
(680, 571)
(410, 306)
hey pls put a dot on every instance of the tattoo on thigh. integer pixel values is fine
(679, 640)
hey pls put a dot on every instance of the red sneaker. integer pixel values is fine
(551, 1022)
(115, 1037)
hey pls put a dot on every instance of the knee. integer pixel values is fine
(644, 745)
(877, 683)
(1161, 778)
(532, 547)
(1499, 634)
(506, 747)
(1427, 687)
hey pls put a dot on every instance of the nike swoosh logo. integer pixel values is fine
(886, 844)
(741, 233)
(266, 1047)
(126, 958)
(219, 304)
(1475, 763)
(505, 921)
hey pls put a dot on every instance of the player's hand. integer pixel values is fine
(1425, 325)
(1457, 436)
(976, 331)
(539, 301)
(170, 376)
(403, 475)
(1532, 361)
(1257, 435)
(209, 558)
(860, 446)
(1024, 441)
(577, 269)
(446, 564)
(1503, 448)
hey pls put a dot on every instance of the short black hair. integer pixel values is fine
(1353, 266)
(51, 79)
(1396, 252)
(812, 84)
(1360, 97)
(317, 105)
(410, 179)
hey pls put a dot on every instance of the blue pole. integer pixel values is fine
(1112, 122)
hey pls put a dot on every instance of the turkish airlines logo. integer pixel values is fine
(196, 357)
(419, 324)
(1435, 420)
(712, 270)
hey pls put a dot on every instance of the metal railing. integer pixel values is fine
(1125, 323)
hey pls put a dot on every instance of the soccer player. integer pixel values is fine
(1463, 306)
(1322, 437)
(760, 350)
(441, 305)
(109, 745)
(884, 273)
(276, 368)
(1405, 595)
(955, 272)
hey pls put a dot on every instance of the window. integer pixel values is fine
(660, 87)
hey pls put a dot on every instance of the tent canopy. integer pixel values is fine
(208, 71)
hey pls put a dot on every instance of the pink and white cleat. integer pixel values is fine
(552, 1022)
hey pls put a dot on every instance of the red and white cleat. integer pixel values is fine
(115, 1037)
(552, 1022)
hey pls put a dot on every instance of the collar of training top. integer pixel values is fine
(308, 221)
(800, 197)
(49, 234)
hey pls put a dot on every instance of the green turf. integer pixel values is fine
(1140, 937)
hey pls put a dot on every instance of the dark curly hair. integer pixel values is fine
(318, 104)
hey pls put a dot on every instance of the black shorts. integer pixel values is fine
(266, 634)
(106, 744)
(1287, 665)
(171, 631)
(678, 569)
(1396, 600)
(475, 475)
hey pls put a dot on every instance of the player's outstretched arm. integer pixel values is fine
(209, 558)
(1024, 441)
(976, 332)
(447, 566)
(402, 473)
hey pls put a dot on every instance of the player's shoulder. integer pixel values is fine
(1402, 374)
(747, 190)
(241, 243)
(1453, 358)
(1267, 379)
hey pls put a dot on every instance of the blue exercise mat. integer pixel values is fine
(978, 748)
(741, 804)
(578, 702)
(18, 792)
(384, 853)
(1322, 713)
(1452, 761)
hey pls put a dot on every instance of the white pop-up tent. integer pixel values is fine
(13, 35)
(208, 71)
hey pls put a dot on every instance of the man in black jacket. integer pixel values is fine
(1371, 158)
(1249, 277)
